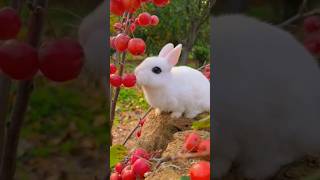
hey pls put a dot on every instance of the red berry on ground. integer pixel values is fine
(117, 26)
(204, 146)
(18, 60)
(136, 46)
(138, 134)
(128, 174)
(161, 3)
(144, 19)
(136, 21)
(10, 23)
(192, 142)
(154, 20)
(121, 42)
(139, 153)
(200, 171)
(131, 5)
(115, 80)
(118, 167)
(129, 80)
(311, 24)
(113, 69)
(61, 60)
(140, 167)
(116, 7)
(115, 176)
(132, 27)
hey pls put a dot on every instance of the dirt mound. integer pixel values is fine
(173, 170)
(158, 131)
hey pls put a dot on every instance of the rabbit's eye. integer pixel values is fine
(156, 70)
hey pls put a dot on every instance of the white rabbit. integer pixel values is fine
(266, 97)
(173, 89)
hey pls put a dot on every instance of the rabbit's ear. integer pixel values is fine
(173, 56)
(166, 49)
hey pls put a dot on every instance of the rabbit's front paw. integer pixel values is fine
(176, 114)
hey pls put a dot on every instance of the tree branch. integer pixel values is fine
(23, 94)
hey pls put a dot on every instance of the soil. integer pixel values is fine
(163, 133)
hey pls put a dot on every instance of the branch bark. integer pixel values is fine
(23, 94)
(5, 84)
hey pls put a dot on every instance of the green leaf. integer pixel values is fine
(117, 154)
(202, 124)
(184, 178)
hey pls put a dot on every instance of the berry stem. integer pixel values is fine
(24, 91)
(137, 126)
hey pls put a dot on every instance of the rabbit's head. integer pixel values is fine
(156, 71)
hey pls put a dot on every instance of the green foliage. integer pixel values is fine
(201, 124)
(184, 178)
(117, 154)
(130, 99)
(201, 54)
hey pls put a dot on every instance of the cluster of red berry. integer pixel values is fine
(134, 168)
(206, 71)
(141, 123)
(312, 34)
(59, 60)
(194, 143)
(122, 42)
(128, 80)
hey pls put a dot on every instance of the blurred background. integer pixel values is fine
(64, 133)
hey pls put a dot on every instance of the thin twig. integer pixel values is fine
(137, 126)
(5, 84)
(301, 14)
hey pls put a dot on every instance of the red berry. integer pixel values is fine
(142, 121)
(10, 23)
(132, 27)
(139, 153)
(121, 42)
(129, 80)
(154, 20)
(204, 147)
(312, 24)
(161, 3)
(138, 134)
(312, 43)
(116, 7)
(18, 60)
(112, 42)
(115, 80)
(200, 171)
(115, 176)
(136, 21)
(117, 26)
(131, 5)
(192, 142)
(136, 46)
(113, 69)
(128, 174)
(118, 167)
(61, 60)
(207, 75)
(144, 19)
(140, 167)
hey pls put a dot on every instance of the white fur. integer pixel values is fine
(180, 90)
(266, 97)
